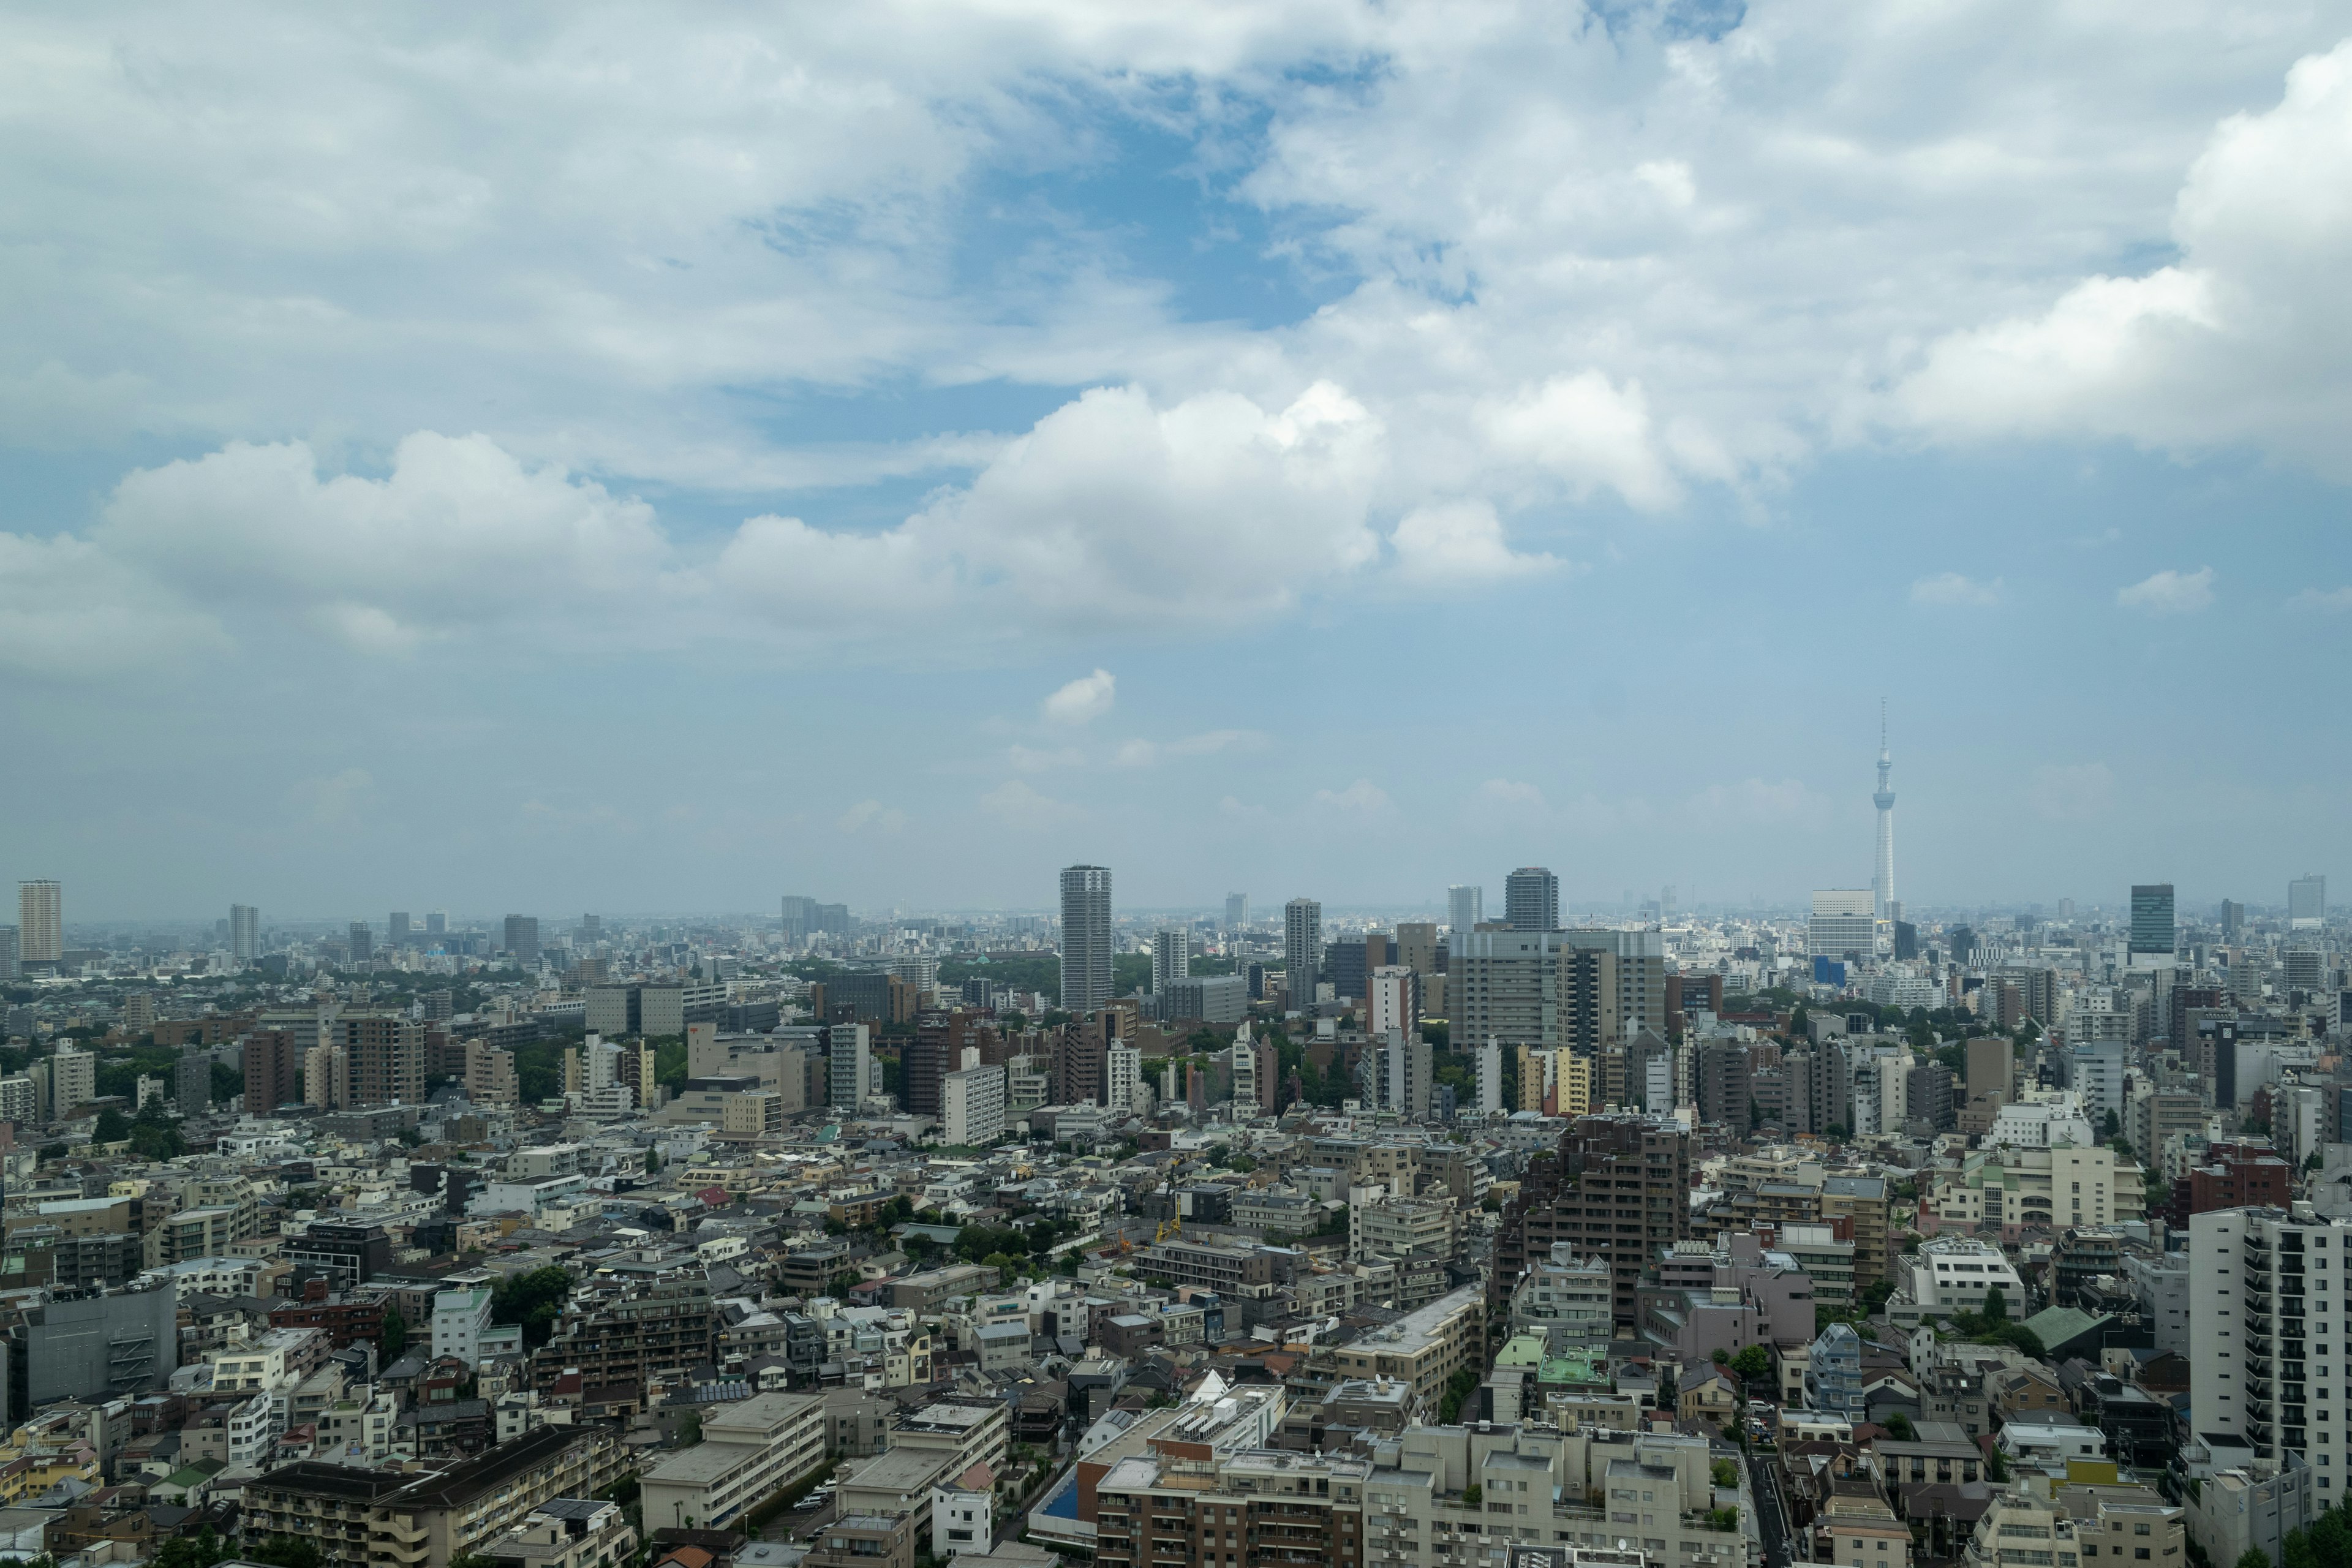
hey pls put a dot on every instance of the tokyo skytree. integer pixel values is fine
(1883, 883)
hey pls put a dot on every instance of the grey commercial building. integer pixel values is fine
(123, 1344)
(1085, 938)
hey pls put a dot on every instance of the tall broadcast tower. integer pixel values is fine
(1883, 884)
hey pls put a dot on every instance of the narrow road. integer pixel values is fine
(1771, 1514)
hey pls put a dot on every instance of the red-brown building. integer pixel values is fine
(2238, 1175)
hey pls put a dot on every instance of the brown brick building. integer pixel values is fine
(1619, 1189)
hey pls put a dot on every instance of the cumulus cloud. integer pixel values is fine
(335, 800)
(2328, 599)
(1083, 700)
(2169, 592)
(2243, 339)
(1018, 804)
(1953, 588)
(1361, 799)
(1459, 543)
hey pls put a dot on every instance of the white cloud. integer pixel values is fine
(1510, 793)
(2077, 792)
(2243, 340)
(1459, 543)
(1361, 799)
(1587, 432)
(1018, 804)
(871, 817)
(2328, 599)
(1953, 588)
(69, 609)
(2169, 592)
(1083, 700)
(1142, 754)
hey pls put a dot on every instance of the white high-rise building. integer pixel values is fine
(1845, 920)
(849, 1067)
(1465, 907)
(40, 922)
(2268, 1312)
(1172, 958)
(244, 932)
(1302, 950)
(1123, 1084)
(1490, 1077)
(972, 1106)
(73, 1080)
(1389, 1008)
(2306, 902)
(1882, 883)
(1085, 938)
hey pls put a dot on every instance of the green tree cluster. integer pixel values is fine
(534, 1299)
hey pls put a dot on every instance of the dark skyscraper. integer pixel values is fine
(1531, 900)
(362, 944)
(1086, 938)
(522, 939)
(2152, 931)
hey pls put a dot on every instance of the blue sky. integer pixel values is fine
(574, 459)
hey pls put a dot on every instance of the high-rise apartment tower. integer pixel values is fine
(1302, 949)
(1086, 938)
(1531, 900)
(40, 922)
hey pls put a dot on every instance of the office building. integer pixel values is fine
(360, 949)
(1302, 950)
(1531, 900)
(1585, 988)
(522, 939)
(40, 922)
(1466, 907)
(2256, 1279)
(1345, 971)
(11, 965)
(1257, 1067)
(1490, 1077)
(2306, 902)
(798, 916)
(244, 932)
(436, 922)
(2154, 937)
(1416, 946)
(1172, 958)
(1085, 938)
(126, 1343)
(193, 1081)
(1236, 912)
(1211, 998)
(1844, 924)
(326, 1079)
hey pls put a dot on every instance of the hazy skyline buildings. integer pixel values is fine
(244, 932)
(1465, 907)
(1085, 938)
(2155, 934)
(41, 921)
(1531, 900)
(1302, 950)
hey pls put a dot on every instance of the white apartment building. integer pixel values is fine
(2010, 1190)
(2267, 1314)
(1123, 1085)
(2045, 1121)
(1845, 920)
(1953, 1274)
(972, 1105)
(749, 1451)
(459, 1318)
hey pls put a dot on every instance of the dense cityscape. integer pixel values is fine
(851, 1237)
(1050, 783)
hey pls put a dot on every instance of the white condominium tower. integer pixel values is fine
(2266, 1314)
(1085, 938)
(40, 922)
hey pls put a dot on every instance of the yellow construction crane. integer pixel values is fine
(1172, 1225)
